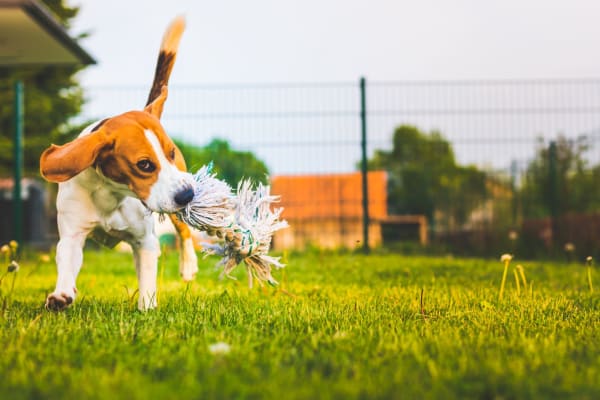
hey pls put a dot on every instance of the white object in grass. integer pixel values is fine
(219, 348)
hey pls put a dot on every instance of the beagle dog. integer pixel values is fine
(111, 178)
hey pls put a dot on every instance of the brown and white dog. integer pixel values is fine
(110, 177)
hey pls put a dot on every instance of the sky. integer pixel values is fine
(230, 42)
(241, 41)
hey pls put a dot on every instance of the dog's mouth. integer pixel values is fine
(171, 193)
(146, 205)
(161, 210)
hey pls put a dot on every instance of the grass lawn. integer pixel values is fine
(339, 326)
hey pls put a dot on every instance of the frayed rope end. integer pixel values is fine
(245, 222)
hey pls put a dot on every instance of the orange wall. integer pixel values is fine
(313, 197)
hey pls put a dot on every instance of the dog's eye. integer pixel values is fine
(146, 165)
(172, 154)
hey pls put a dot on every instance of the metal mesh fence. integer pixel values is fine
(490, 123)
(312, 131)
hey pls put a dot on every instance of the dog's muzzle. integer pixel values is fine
(184, 196)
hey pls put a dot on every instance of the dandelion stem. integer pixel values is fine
(12, 287)
(423, 307)
(503, 279)
(531, 288)
(523, 279)
(517, 282)
(589, 276)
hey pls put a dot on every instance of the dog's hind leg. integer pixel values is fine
(188, 260)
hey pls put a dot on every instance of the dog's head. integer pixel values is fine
(133, 151)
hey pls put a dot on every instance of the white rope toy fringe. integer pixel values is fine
(213, 201)
(245, 222)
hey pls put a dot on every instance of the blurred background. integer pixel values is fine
(464, 128)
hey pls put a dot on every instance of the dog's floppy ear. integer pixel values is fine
(179, 160)
(60, 163)
(156, 107)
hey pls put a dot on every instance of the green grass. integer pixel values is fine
(339, 326)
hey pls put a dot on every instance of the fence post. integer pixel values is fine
(553, 190)
(513, 186)
(364, 173)
(18, 154)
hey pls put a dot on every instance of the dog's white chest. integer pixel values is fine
(92, 201)
(114, 222)
(111, 208)
(126, 217)
(105, 201)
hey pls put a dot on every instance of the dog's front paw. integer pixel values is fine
(188, 271)
(188, 261)
(58, 301)
(147, 302)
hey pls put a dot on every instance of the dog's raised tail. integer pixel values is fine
(166, 57)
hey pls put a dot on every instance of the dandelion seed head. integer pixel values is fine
(13, 266)
(506, 257)
(219, 348)
(569, 247)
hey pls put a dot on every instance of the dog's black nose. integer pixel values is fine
(184, 196)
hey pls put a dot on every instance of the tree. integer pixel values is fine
(52, 97)
(229, 165)
(424, 177)
(560, 180)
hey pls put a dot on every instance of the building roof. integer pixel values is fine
(31, 35)
(330, 196)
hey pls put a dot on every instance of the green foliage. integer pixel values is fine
(424, 177)
(52, 97)
(229, 164)
(339, 327)
(561, 180)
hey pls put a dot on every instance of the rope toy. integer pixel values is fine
(244, 221)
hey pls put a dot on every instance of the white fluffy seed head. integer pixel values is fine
(219, 348)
